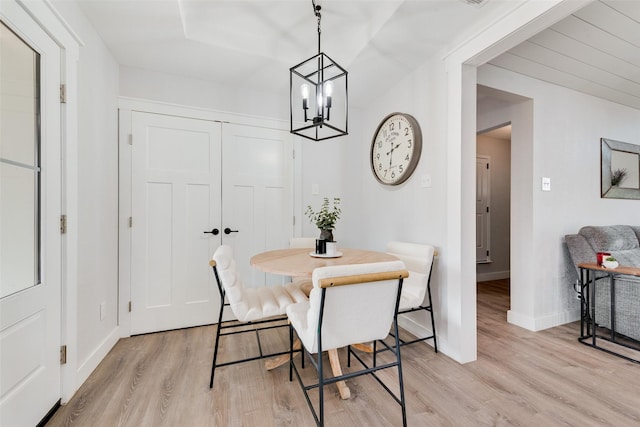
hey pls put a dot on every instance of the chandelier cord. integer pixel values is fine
(316, 11)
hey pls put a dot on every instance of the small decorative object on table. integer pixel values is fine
(325, 219)
(610, 262)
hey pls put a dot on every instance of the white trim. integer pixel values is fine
(542, 322)
(93, 360)
(136, 104)
(419, 330)
(495, 275)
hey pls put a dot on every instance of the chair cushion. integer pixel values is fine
(249, 304)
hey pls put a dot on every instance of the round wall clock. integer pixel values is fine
(395, 148)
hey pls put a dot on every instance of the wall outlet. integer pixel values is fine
(103, 309)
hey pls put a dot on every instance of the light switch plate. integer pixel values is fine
(425, 181)
(546, 184)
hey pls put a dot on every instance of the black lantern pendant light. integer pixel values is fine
(318, 101)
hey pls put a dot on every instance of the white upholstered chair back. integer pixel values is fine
(353, 313)
(417, 259)
(248, 304)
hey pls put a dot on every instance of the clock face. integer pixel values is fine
(396, 148)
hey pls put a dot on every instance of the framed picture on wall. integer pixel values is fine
(620, 169)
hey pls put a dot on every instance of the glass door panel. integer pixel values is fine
(19, 164)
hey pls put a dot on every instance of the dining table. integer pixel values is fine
(300, 263)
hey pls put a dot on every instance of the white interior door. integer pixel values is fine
(175, 199)
(483, 209)
(30, 241)
(257, 195)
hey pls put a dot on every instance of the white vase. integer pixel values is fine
(610, 264)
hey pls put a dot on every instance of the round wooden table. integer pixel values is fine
(299, 263)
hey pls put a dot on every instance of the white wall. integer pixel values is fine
(97, 212)
(565, 146)
(409, 212)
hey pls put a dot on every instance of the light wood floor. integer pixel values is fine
(520, 378)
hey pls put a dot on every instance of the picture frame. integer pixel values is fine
(620, 169)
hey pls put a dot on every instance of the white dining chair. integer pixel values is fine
(261, 308)
(348, 304)
(416, 290)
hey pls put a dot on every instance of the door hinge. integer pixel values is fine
(130, 139)
(487, 253)
(63, 94)
(129, 306)
(487, 165)
(294, 220)
(487, 209)
(294, 154)
(130, 221)
(63, 224)
(63, 354)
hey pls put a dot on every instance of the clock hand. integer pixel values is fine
(393, 148)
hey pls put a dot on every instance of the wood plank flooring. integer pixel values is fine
(521, 378)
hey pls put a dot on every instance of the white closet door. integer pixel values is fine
(175, 199)
(257, 195)
(483, 208)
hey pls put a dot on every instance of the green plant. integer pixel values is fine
(325, 218)
(609, 258)
(617, 176)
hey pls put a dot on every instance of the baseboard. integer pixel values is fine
(415, 328)
(495, 275)
(91, 363)
(542, 322)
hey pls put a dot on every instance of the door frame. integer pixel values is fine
(69, 42)
(126, 106)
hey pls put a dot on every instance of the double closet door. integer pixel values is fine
(197, 184)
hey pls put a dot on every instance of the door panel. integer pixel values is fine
(257, 195)
(175, 198)
(30, 195)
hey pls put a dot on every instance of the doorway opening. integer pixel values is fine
(493, 212)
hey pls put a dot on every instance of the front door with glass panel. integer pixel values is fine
(30, 297)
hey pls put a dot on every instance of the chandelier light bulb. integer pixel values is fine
(328, 88)
(304, 91)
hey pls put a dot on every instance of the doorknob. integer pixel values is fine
(229, 231)
(213, 231)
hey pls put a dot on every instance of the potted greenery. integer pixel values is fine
(325, 219)
(610, 262)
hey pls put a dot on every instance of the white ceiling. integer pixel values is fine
(254, 43)
(596, 50)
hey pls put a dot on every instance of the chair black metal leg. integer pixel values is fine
(433, 322)
(215, 351)
(400, 380)
(291, 352)
(321, 387)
